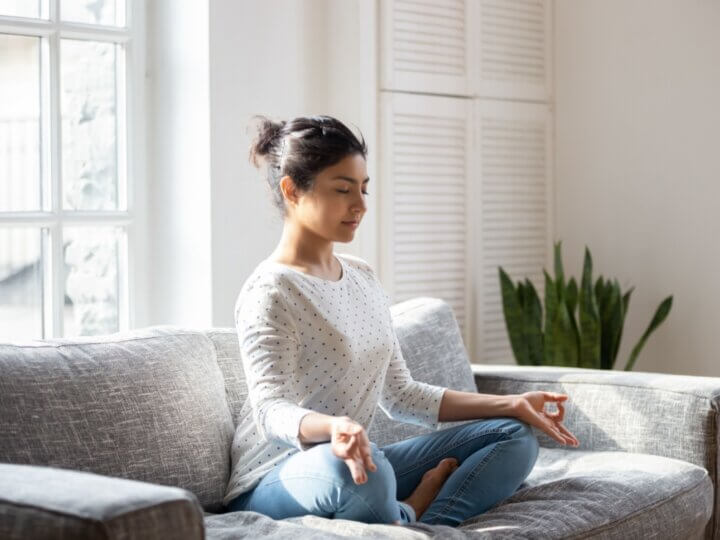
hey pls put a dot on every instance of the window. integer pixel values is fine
(67, 95)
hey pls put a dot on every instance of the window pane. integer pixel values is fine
(21, 291)
(89, 124)
(106, 12)
(19, 123)
(20, 8)
(91, 286)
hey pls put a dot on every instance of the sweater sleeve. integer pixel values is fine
(406, 400)
(403, 398)
(269, 349)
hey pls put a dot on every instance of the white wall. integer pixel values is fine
(211, 67)
(281, 58)
(638, 165)
(178, 254)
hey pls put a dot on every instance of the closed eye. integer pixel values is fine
(348, 191)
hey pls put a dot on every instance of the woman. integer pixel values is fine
(319, 353)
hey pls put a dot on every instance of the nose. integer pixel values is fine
(359, 206)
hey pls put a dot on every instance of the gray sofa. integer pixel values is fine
(128, 436)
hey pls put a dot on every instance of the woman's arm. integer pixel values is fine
(456, 405)
(269, 350)
(315, 427)
(528, 407)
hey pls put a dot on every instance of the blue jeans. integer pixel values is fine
(495, 455)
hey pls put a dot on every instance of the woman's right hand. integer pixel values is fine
(350, 443)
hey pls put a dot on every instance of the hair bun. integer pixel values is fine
(268, 134)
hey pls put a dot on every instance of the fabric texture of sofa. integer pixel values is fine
(128, 436)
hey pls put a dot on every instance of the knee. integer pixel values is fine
(381, 480)
(527, 446)
(384, 473)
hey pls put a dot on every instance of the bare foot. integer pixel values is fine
(430, 485)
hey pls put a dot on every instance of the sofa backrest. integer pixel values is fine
(431, 343)
(148, 404)
(160, 404)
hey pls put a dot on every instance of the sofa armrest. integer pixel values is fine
(49, 502)
(652, 413)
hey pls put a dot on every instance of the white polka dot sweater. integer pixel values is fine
(311, 344)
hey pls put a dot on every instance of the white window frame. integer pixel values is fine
(131, 177)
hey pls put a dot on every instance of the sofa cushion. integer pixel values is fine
(227, 351)
(434, 352)
(147, 405)
(569, 494)
(585, 494)
(46, 502)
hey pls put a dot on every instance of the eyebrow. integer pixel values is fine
(351, 179)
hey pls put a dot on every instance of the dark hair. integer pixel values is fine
(301, 148)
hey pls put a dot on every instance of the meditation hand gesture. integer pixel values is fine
(350, 443)
(530, 407)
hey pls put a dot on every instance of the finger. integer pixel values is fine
(567, 433)
(555, 434)
(550, 429)
(367, 453)
(356, 453)
(555, 396)
(559, 414)
(358, 474)
(567, 438)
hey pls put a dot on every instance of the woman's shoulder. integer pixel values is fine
(265, 284)
(358, 263)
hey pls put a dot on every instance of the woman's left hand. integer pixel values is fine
(530, 408)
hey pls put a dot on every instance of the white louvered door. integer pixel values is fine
(466, 85)
(514, 214)
(427, 45)
(515, 50)
(424, 237)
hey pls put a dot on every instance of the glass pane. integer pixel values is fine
(91, 286)
(20, 8)
(21, 286)
(106, 12)
(89, 124)
(19, 123)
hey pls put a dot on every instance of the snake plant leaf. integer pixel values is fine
(611, 325)
(626, 299)
(533, 324)
(553, 344)
(603, 291)
(589, 318)
(571, 297)
(521, 294)
(625, 304)
(559, 272)
(599, 292)
(513, 311)
(551, 302)
(571, 302)
(567, 339)
(660, 315)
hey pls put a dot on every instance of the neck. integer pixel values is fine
(303, 247)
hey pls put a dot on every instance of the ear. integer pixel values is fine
(287, 186)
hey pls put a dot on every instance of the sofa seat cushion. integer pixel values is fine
(568, 494)
(585, 494)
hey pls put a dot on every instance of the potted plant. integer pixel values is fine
(592, 340)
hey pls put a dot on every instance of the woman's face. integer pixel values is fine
(338, 197)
